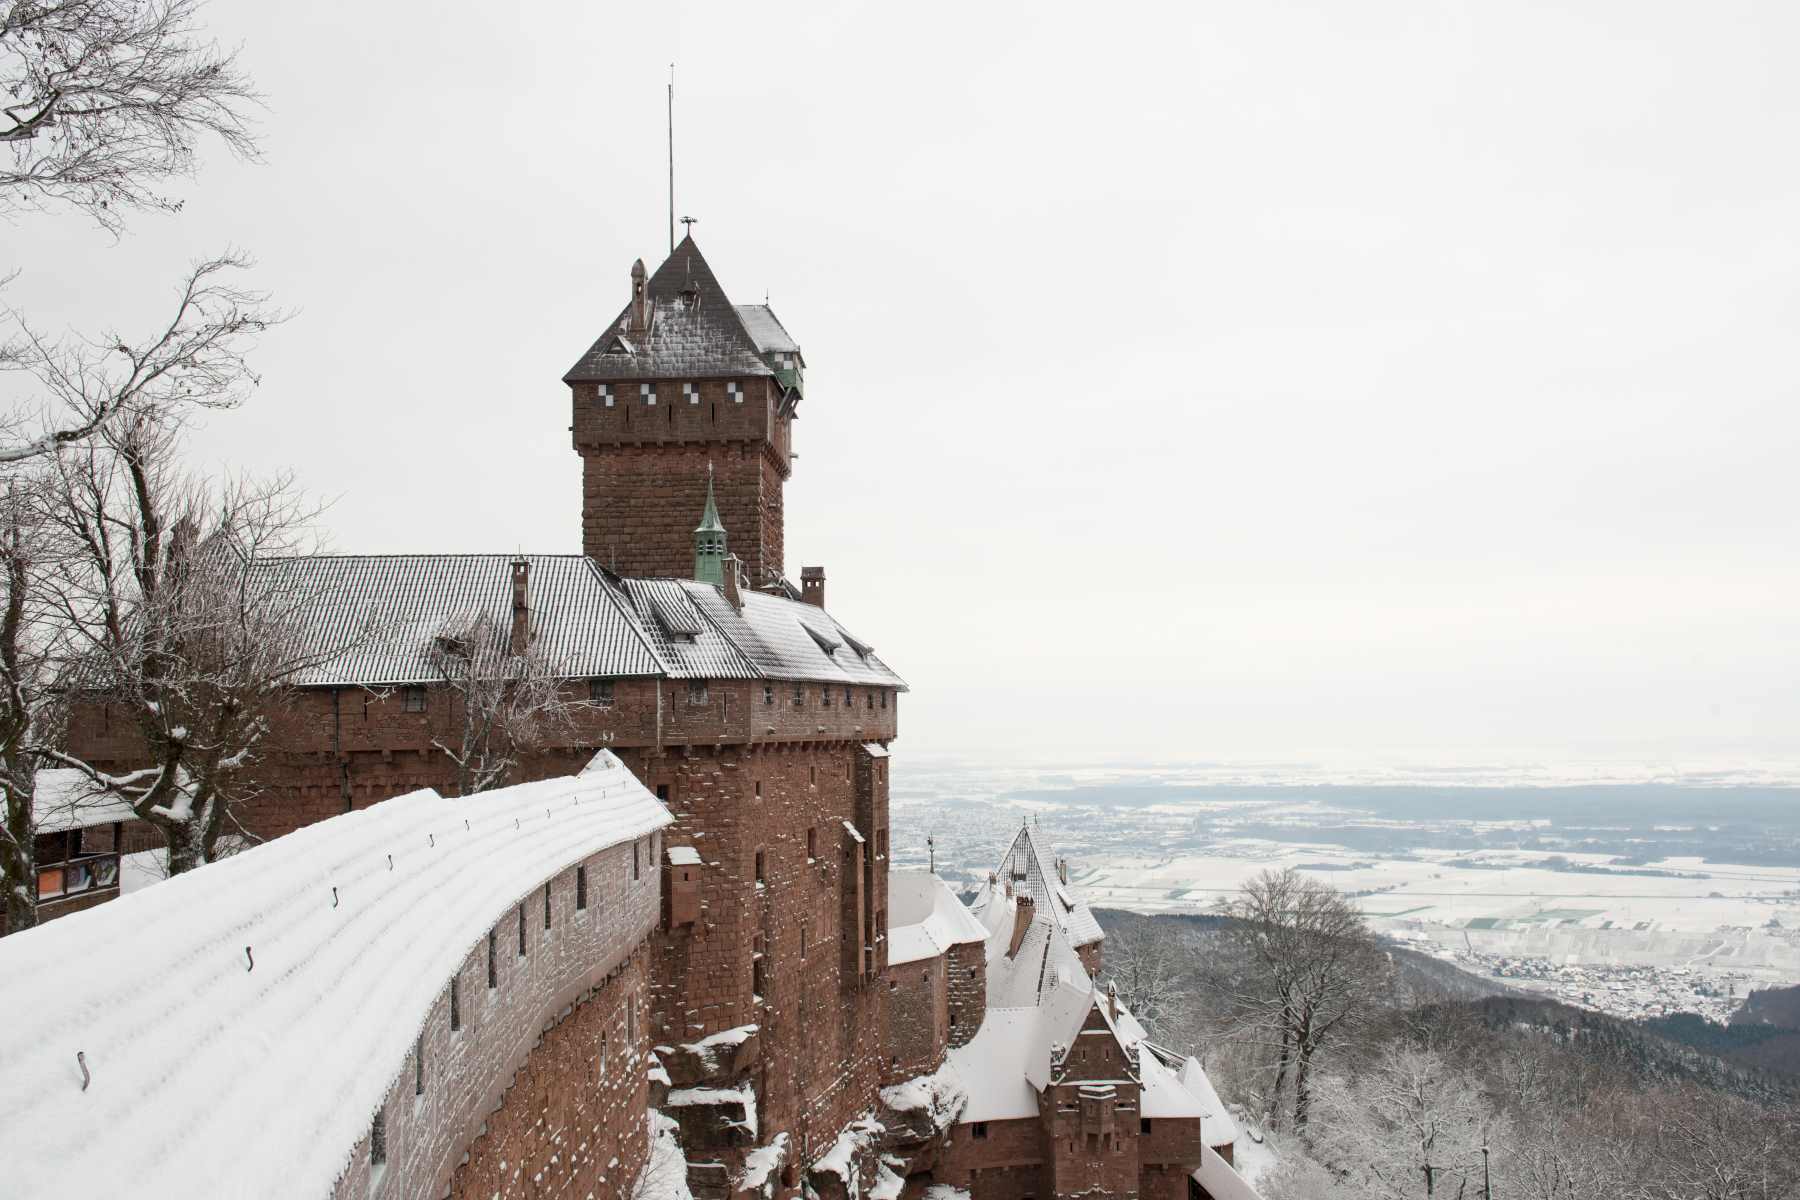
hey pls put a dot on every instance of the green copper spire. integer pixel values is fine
(709, 541)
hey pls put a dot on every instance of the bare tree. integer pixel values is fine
(1407, 1124)
(29, 707)
(195, 360)
(108, 99)
(180, 613)
(1146, 960)
(1314, 964)
(509, 700)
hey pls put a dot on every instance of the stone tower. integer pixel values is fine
(683, 380)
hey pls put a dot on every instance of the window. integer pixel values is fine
(604, 394)
(600, 691)
(884, 697)
(759, 789)
(799, 696)
(419, 1066)
(812, 774)
(696, 691)
(734, 393)
(77, 860)
(630, 1023)
(849, 699)
(521, 931)
(768, 693)
(546, 904)
(870, 696)
(413, 698)
(580, 887)
(762, 874)
(805, 928)
(881, 843)
(691, 391)
(662, 792)
(1144, 1125)
(978, 1130)
(647, 393)
(953, 1018)
(455, 1005)
(825, 697)
(637, 869)
(812, 843)
(378, 1140)
(493, 958)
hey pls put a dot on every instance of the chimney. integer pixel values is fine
(640, 298)
(521, 608)
(732, 596)
(1062, 870)
(1022, 913)
(1112, 1001)
(812, 585)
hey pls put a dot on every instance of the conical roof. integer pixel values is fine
(695, 332)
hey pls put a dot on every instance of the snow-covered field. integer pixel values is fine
(1581, 895)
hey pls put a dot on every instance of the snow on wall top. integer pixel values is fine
(925, 918)
(213, 1078)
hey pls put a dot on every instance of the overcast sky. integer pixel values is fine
(1406, 382)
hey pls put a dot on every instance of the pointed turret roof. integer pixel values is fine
(695, 332)
(709, 520)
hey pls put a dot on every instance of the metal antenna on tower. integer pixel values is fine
(931, 845)
(671, 158)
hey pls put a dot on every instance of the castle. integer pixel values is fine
(794, 1039)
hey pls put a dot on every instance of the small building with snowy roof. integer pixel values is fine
(936, 973)
(1061, 1092)
(387, 1003)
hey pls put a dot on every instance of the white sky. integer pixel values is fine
(1375, 380)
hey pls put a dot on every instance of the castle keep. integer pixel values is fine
(788, 1040)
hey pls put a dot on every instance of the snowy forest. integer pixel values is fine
(1373, 1071)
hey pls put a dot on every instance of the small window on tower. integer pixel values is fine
(768, 693)
(825, 697)
(799, 696)
(600, 692)
(413, 699)
(605, 394)
(734, 393)
(849, 698)
(647, 393)
(696, 691)
(691, 392)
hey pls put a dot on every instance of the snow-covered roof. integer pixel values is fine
(213, 1074)
(994, 1064)
(1219, 1180)
(65, 798)
(925, 918)
(1218, 1125)
(683, 856)
(694, 332)
(384, 613)
(770, 335)
(1030, 863)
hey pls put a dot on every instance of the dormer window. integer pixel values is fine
(604, 394)
(734, 393)
(647, 392)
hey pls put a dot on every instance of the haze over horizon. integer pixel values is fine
(1184, 387)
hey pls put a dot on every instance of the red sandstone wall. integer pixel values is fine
(1006, 1164)
(821, 1031)
(517, 1077)
(644, 471)
(966, 976)
(917, 1018)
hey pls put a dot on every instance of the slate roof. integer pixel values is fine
(695, 331)
(386, 610)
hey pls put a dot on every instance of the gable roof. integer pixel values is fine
(385, 611)
(695, 331)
